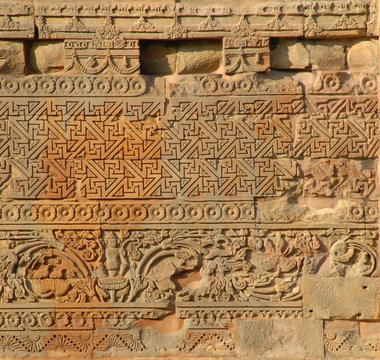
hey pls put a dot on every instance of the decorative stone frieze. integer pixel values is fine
(189, 180)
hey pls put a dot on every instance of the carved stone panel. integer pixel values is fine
(189, 180)
(246, 54)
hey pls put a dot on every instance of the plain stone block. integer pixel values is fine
(341, 298)
(290, 54)
(158, 58)
(327, 57)
(277, 338)
(12, 57)
(181, 57)
(363, 56)
(199, 57)
(46, 57)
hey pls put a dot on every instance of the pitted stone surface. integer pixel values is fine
(341, 298)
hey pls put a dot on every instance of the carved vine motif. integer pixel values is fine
(11, 286)
(232, 167)
(260, 265)
(60, 268)
(131, 264)
(44, 268)
(80, 266)
(8, 24)
(353, 253)
(139, 266)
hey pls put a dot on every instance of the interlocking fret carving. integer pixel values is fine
(330, 136)
(116, 149)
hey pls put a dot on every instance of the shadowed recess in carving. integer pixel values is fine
(180, 57)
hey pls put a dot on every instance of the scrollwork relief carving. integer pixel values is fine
(353, 253)
(260, 266)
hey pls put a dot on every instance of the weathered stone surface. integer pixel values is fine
(364, 56)
(327, 57)
(341, 298)
(189, 180)
(290, 54)
(12, 57)
(46, 57)
(173, 57)
(159, 58)
(267, 338)
(200, 57)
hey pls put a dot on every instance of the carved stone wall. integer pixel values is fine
(189, 179)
